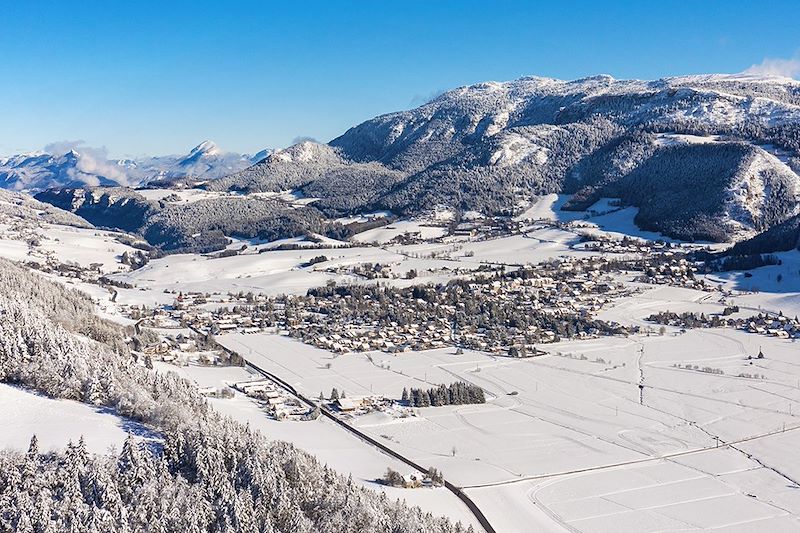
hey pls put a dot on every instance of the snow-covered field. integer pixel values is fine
(312, 370)
(273, 272)
(66, 244)
(567, 434)
(184, 196)
(86, 246)
(385, 234)
(602, 218)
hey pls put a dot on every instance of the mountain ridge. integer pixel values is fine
(81, 166)
(492, 145)
(706, 157)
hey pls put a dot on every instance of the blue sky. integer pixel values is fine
(159, 77)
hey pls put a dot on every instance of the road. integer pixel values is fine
(457, 491)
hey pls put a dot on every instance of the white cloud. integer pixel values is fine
(772, 66)
(303, 138)
(91, 163)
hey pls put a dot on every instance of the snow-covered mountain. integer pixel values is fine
(206, 161)
(713, 157)
(84, 166)
(39, 170)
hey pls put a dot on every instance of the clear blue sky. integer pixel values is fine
(158, 77)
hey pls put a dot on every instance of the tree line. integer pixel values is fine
(458, 393)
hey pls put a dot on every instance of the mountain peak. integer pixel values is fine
(207, 147)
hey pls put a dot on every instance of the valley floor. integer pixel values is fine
(677, 430)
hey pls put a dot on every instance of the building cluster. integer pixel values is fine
(762, 324)
(503, 313)
(361, 405)
(278, 403)
(486, 228)
(90, 273)
(678, 272)
(626, 245)
(182, 349)
(413, 480)
(206, 313)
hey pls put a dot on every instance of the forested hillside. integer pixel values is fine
(211, 474)
(780, 238)
(21, 206)
(200, 226)
(711, 157)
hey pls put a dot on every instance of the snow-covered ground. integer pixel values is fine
(273, 272)
(65, 244)
(312, 370)
(56, 422)
(384, 234)
(574, 419)
(180, 196)
(604, 217)
(86, 246)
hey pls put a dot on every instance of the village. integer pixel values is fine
(772, 325)
(540, 305)
(498, 310)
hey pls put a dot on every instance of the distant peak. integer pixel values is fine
(205, 148)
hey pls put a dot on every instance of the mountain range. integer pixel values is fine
(82, 166)
(712, 157)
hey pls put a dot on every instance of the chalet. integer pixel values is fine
(349, 404)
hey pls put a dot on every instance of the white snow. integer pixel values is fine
(384, 234)
(578, 409)
(515, 148)
(273, 272)
(56, 422)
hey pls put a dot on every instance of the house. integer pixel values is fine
(349, 404)
(412, 481)
(251, 387)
